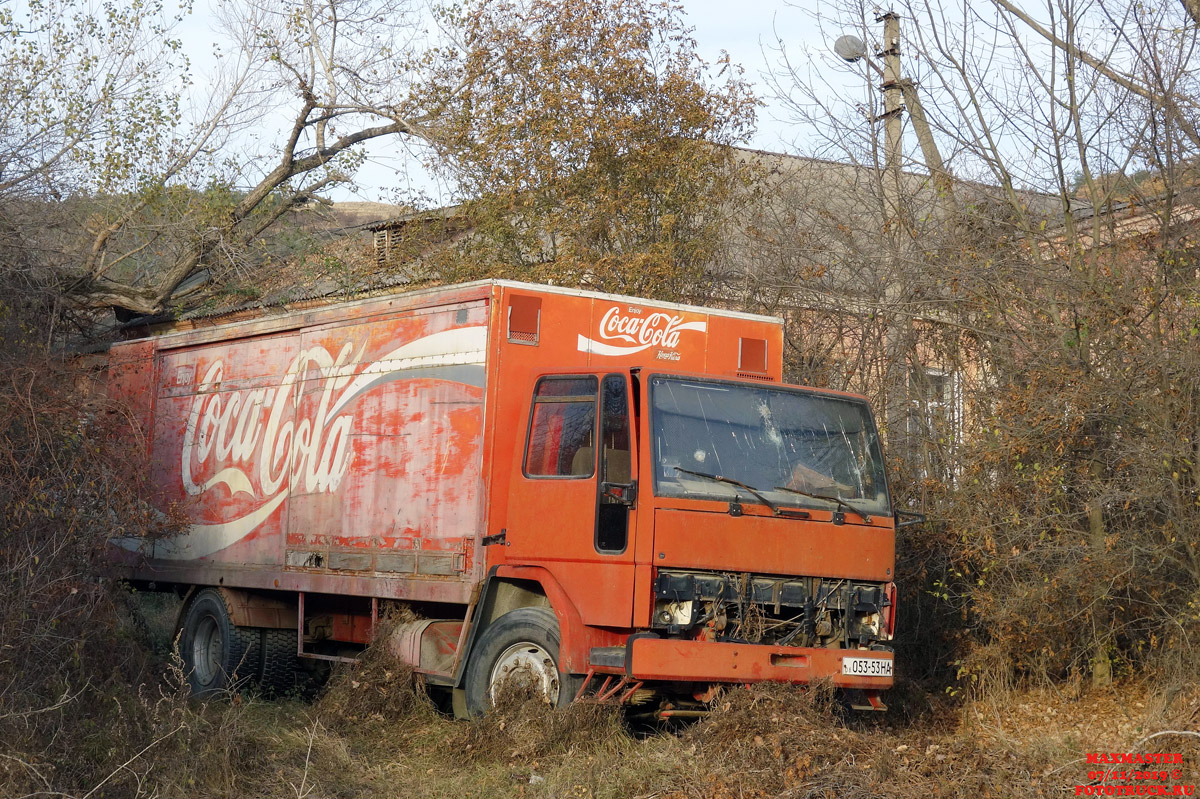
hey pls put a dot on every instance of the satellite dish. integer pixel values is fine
(850, 48)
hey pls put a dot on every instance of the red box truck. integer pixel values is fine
(597, 495)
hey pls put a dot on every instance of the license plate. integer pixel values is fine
(867, 667)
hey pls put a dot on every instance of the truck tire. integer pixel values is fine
(217, 655)
(279, 662)
(521, 645)
(283, 672)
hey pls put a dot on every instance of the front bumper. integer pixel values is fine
(676, 659)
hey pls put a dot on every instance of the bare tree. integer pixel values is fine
(77, 90)
(335, 73)
(174, 190)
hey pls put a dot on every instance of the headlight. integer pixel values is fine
(668, 613)
(870, 621)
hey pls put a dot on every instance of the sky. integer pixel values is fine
(750, 36)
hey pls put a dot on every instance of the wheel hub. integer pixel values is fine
(525, 667)
(207, 650)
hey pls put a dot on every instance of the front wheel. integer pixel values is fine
(518, 652)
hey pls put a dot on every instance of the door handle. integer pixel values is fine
(621, 493)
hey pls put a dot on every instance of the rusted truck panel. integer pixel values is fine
(624, 482)
(342, 448)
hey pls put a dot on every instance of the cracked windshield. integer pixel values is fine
(793, 448)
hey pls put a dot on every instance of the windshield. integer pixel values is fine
(793, 447)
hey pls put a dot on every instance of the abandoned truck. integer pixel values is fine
(595, 495)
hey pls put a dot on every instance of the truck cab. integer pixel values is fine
(739, 530)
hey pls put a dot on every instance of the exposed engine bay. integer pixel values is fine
(782, 611)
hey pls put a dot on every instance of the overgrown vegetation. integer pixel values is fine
(360, 741)
(1029, 339)
(70, 662)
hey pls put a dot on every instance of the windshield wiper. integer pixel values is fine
(837, 501)
(718, 478)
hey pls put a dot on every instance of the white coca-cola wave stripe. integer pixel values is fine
(449, 348)
(585, 344)
(227, 431)
(202, 539)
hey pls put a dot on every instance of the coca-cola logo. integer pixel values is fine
(293, 437)
(254, 436)
(638, 331)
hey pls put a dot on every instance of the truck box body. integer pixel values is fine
(336, 450)
(419, 446)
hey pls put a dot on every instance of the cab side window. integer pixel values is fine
(612, 514)
(562, 428)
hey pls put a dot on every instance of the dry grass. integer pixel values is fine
(373, 733)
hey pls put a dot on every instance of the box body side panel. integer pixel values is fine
(346, 449)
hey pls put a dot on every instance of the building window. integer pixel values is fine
(934, 421)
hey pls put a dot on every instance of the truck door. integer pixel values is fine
(571, 501)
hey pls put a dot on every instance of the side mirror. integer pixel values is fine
(908, 518)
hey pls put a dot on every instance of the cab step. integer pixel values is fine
(607, 657)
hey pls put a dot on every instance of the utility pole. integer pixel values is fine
(893, 93)
(900, 95)
(898, 328)
(899, 334)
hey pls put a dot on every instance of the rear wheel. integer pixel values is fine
(217, 655)
(283, 672)
(518, 652)
(280, 665)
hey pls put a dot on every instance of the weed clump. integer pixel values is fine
(522, 727)
(767, 736)
(377, 689)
